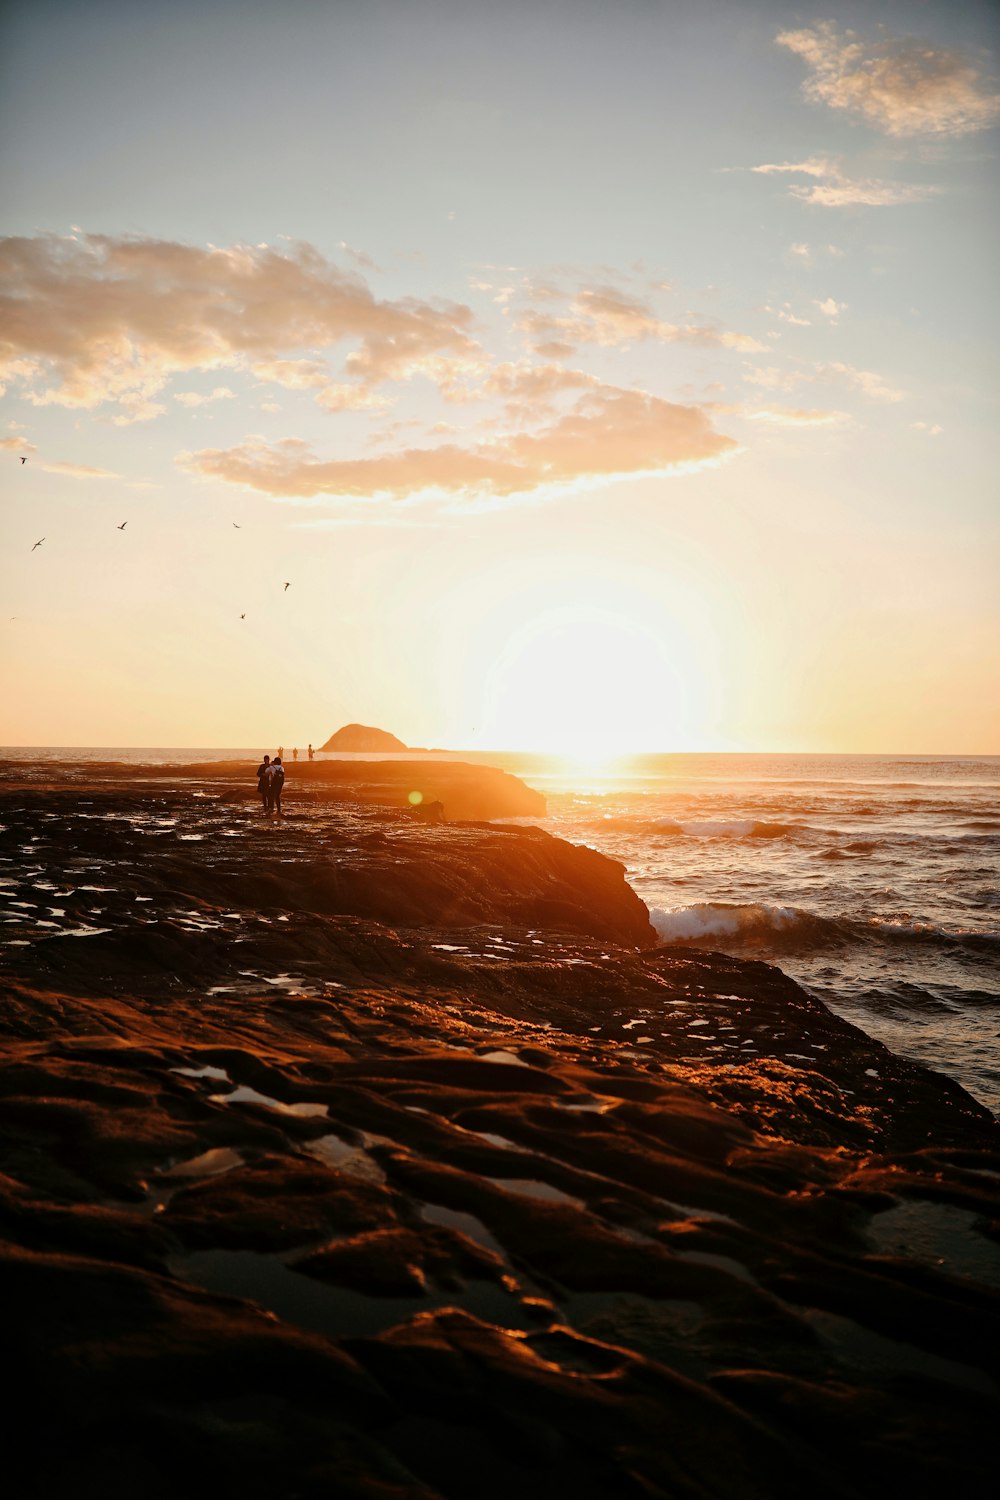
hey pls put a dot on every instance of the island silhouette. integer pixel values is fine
(362, 737)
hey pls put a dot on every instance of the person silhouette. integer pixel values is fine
(262, 776)
(312, 752)
(275, 785)
(295, 754)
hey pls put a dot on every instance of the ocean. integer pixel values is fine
(874, 881)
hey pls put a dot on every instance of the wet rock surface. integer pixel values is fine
(360, 1157)
(464, 790)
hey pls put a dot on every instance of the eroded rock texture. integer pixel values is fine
(360, 1158)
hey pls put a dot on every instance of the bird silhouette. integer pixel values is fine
(122, 526)
(238, 528)
(38, 543)
(24, 460)
(242, 617)
(286, 588)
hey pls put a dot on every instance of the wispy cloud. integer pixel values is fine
(866, 381)
(835, 189)
(787, 315)
(901, 85)
(607, 433)
(200, 398)
(97, 319)
(784, 416)
(78, 471)
(607, 316)
(55, 466)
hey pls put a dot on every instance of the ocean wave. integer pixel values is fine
(732, 828)
(788, 928)
(857, 846)
(699, 828)
(756, 924)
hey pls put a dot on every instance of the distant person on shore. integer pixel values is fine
(295, 754)
(275, 785)
(262, 771)
(312, 752)
(281, 751)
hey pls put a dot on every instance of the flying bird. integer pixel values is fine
(242, 617)
(38, 543)
(122, 526)
(238, 528)
(286, 588)
(24, 460)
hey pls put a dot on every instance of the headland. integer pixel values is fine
(362, 1156)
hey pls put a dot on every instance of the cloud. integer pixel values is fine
(870, 384)
(784, 416)
(197, 398)
(530, 392)
(97, 319)
(835, 189)
(813, 166)
(78, 471)
(864, 380)
(772, 378)
(784, 312)
(900, 85)
(609, 317)
(54, 466)
(830, 308)
(608, 433)
(867, 193)
(359, 257)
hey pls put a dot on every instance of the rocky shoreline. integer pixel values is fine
(360, 1157)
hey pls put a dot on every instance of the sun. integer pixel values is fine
(590, 682)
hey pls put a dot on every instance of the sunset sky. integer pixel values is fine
(599, 376)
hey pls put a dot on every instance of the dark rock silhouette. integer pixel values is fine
(465, 791)
(361, 737)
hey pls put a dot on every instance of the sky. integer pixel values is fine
(583, 377)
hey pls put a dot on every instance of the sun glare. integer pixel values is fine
(592, 683)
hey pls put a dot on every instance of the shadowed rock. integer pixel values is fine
(364, 1158)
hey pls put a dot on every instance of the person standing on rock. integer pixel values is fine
(275, 784)
(262, 771)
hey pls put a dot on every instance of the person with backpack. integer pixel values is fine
(275, 785)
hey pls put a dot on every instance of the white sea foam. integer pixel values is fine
(708, 918)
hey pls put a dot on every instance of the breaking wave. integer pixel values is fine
(790, 928)
(707, 828)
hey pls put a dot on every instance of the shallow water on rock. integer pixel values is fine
(337, 1312)
(941, 1235)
